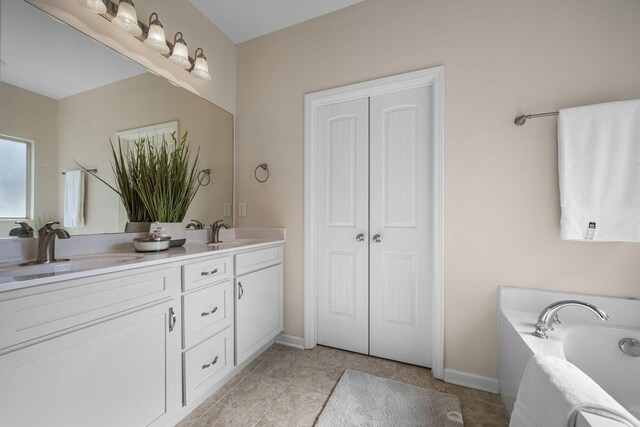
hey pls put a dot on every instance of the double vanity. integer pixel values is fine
(133, 340)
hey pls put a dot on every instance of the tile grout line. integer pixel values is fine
(275, 400)
(219, 401)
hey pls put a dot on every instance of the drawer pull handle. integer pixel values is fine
(208, 365)
(240, 291)
(209, 313)
(209, 273)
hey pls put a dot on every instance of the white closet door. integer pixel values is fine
(400, 194)
(343, 214)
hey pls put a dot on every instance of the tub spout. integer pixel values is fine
(547, 316)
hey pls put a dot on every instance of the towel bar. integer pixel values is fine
(89, 170)
(520, 120)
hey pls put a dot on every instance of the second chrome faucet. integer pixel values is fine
(215, 230)
(47, 244)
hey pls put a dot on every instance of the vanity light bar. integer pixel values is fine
(112, 11)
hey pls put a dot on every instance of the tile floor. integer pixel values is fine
(286, 386)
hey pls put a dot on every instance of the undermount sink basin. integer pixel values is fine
(79, 263)
(232, 244)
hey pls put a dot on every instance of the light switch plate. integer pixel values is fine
(227, 209)
(242, 210)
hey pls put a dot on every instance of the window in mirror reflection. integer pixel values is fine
(15, 178)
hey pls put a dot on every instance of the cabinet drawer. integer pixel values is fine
(207, 311)
(60, 306)
(251, 261)
(207, 363)
(203, 273)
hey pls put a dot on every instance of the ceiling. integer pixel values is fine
(45, 56)
(243, 20)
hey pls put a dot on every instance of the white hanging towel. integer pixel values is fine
(599, 171)
(553, 391)
(74, 199)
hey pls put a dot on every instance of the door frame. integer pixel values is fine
(431, 77)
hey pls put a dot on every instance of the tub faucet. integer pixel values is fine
(215, 230)
(549, 315)
(47, 243)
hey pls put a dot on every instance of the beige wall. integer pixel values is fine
(27, 115)
(501, 58)
(175, 15)
(87, 121)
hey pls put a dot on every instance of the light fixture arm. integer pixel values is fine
(180, 39)
(153, 21)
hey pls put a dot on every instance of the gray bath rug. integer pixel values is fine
(361, 399)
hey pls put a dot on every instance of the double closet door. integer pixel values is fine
(374, 195)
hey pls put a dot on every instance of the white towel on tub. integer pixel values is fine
(553, 391)
(599, 172)
(74, 198)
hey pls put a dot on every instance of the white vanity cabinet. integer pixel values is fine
(259, 299)
(142, 346)
(96, 351)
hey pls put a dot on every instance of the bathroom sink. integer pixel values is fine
(78, 263)
(232, 244)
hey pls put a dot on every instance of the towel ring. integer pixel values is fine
(264, 167)
(204, 174)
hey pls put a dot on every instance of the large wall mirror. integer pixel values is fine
(63, 97)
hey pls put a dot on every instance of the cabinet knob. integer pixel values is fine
(360, 237)
(209, 313)
(208, 365)
(377, 238)
(209, 273)
(240, 290)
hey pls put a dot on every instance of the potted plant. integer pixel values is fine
(156, 182)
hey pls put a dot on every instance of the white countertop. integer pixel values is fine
(9, 282)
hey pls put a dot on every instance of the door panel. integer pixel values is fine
(343, 205)
(259, 310)
(400, 193)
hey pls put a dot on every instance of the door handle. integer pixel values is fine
(377, 238)
(360, 237)
(240, 291)
(172, 319)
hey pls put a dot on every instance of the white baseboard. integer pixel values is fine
(290, 340)
(466, 379)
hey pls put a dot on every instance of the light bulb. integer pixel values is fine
(200, 66)
(155, 37)
(180, 54)
(127, 18)
(96, 6)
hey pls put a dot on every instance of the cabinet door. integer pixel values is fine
(259, 310)
(122, 372)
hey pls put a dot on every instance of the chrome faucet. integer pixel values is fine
(23, 231)
(215, 230)
(549, 315)
(47, 244)
(195, 224)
